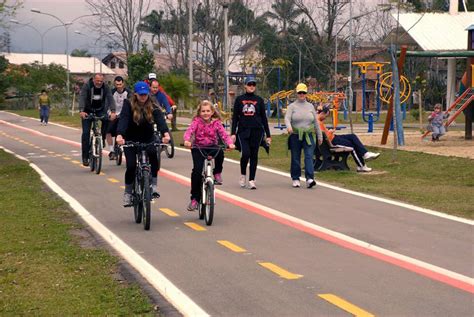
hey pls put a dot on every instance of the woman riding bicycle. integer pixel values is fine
(206, 128)
(136, 124)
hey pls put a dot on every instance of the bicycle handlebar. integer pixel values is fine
(142, 145)
(92, 116)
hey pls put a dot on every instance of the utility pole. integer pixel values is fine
(190, 32)
(349, 77)
(225, 5)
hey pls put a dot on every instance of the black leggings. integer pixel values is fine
(196, 174)
(250, 143)
(131, 157)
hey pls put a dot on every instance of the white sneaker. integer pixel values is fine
(364, 169)
(371, 156)
(242, 181)
(296, 183)
(127, 199)
(252, 185)
(310, 183)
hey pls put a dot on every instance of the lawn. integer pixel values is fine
(436, 182)
(43, 269)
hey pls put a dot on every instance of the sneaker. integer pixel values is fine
(310, 183)
(112, 156)
(252, 185)
(296, 183)
(85, 162)
(242, 181)
(127, 199)
(193, 205)
(371, 156)
(154, 192)
(218, 179)
(364, 169)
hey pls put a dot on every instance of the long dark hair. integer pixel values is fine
(140, 110)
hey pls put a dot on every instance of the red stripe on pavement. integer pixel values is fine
(322, 235)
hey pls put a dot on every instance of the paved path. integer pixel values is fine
(275, 251)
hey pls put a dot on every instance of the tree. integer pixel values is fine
(80, 53)
(122, 16)
(285, 12)
(8, 9)
(3, 77)
(153, 23)
(140, 64)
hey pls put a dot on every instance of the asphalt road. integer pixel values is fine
(274, 251)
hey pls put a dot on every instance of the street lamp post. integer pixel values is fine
(42, 35)
(299, 59)
(225, 6)
(66, 27)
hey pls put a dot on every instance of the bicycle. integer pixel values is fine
(207, 200)
(168, 148)
(118, 152)
(95, 150)
(141, 190)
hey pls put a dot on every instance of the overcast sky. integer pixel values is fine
(25, 39)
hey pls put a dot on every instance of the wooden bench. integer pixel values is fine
(328, 156)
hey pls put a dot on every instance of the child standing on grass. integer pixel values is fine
(436, 120)
(206, 129)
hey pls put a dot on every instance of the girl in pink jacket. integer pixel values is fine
(206, 130)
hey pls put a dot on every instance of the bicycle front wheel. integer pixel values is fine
(118, 155)
(91, 154)
(209, 203)
(170, 147)
(137, 202)
(146, 195)
(98, 154)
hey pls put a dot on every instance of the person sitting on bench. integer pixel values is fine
(360, 153)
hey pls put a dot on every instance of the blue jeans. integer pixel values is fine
(438, 131)
(44, 113)
(295, 147)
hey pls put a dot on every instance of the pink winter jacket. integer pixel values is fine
(206, 134)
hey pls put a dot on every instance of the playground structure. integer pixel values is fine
(367, 116)
(282, 99)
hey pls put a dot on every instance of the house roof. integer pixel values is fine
(162, 61)
(251, 43)
(77, 65)
(359, 54)
(437, 31)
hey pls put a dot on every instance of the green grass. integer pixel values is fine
(43, 270)
(436, 182)
(56, 116)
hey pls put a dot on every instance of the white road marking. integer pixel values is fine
(363, 195)
(173, 294)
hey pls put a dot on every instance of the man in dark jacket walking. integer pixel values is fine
(95, 98)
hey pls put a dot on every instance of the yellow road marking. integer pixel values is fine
(169, 212)
(75, 162)
(280, 271)
(102, 173)
(66, 158)
(195, 226)
(113, 180)
(50, 152)
(345, 305)
(37, 147)
(123, 187)
(231, 246)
